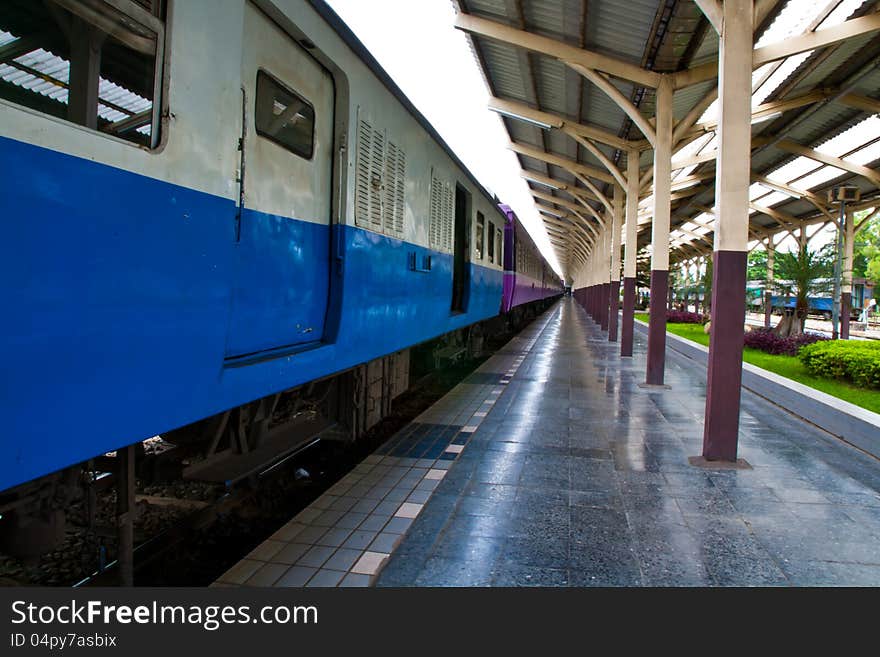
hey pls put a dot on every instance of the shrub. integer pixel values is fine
(768, 341)
(683, 317)
(855, 360)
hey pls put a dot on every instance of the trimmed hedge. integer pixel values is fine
(683, 317)
(769, 342)
(854, 360)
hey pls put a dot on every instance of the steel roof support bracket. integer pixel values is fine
(614, 94)
(713, 12)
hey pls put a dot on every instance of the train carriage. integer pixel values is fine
(207, 206)
(527, 275)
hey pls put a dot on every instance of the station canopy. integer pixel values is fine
(575, 81)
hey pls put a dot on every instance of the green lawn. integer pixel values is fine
(787, 366)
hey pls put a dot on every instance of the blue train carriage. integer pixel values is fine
(819, 306)
(219, 206)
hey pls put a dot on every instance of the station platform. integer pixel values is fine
(551, 466)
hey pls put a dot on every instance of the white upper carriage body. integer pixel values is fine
(205, 70)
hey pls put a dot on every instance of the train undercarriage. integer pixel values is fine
(235, 448)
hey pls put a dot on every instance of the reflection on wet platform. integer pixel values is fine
(579, 477)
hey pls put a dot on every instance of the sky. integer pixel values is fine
(432, 62)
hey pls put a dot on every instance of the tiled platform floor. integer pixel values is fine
(578, 477)
(345, 536)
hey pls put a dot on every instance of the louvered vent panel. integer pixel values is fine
(441, 215)
(377, 157)
(435, 227)
(399, 194)
(448, 211)
(393, 202)
(362, 184)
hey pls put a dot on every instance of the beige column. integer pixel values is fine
(660, 234)
(721, 428)
(630, 247)
(614, 290)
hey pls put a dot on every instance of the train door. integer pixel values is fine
(461, 250)
(281, 286)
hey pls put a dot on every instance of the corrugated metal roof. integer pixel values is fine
(668, 35)
(620, 30)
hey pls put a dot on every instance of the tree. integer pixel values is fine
(757, 267)
(866, 250)
(707, 286)
(805, 273)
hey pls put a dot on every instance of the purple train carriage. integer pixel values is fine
(527, 275)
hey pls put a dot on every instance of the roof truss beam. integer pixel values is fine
(791, 46)
(712, 11)
(864, 103)
(563, 162)
(814, 40)
(557, 49)
(794, 148)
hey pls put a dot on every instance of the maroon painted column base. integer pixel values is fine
(768, 308)
(614, 298)
(721, 429)
(604, 302)
(657, 328)
(845, 310)
(626, 323)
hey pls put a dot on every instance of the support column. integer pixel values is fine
(125, 511)
(660, 234)
(768, 289)
(846, 279)
(629, 256)
(616, 223)
(721, 429)
(605, 286)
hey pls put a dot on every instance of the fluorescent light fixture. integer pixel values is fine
(519, 117)
(766, 117)
(541, 182)
(551, 213)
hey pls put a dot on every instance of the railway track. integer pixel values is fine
(211, 536)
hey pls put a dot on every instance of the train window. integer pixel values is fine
(481, 229)
(283, 116)
(97, 64)
(498, 246)
(491, 245)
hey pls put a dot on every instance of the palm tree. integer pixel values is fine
(807, 274)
